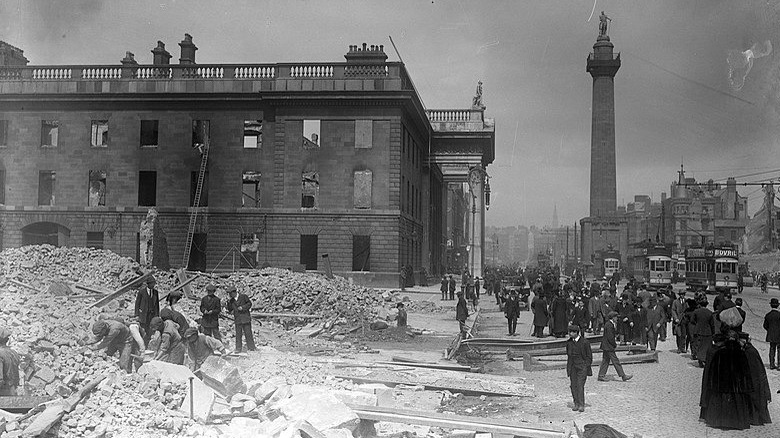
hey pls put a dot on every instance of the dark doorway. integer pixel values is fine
(41, 233)
(198, 253)
(361, 253)
(309, 251)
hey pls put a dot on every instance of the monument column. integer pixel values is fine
(602, 65)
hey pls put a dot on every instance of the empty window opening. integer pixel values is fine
(97, 188)
(200, 134)
(364, 134)
(250, 243)
(147, 188)
(198, 251)
(138, 247)
(149, 133)
(40, 233)
(250, 189)
(311, 134)
(204, 191)
(99, 133)
(3, 133)
(49, 133)
(95, 239)
(253, 134)
(309, 251)
(46, 179)
(310, 190)
(362, 190)
(361, 253)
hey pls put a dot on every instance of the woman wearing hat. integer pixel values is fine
(171, 348)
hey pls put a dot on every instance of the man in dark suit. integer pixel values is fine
(579, 358)
(451, 285)
(703, 328)
(678, 309)
(461, 314)
(541, 315)
(512, 311)
(147, 305)
(772, 327)
(738, 305)
(608, 346)
(656, 317)
(240, 305)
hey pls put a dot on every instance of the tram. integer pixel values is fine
(658, 267)
(608, 261)
(711, 269)
(680, 263)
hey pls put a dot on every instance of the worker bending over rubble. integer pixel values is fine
(9, 365)
(201, 347)
(169, 313)
(241, 317)
(114, 336)
(139, 346)
(171, 348)
(211, 306)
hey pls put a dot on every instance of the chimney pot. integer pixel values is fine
(187, 50)
(364, 47)
(161, 56)
(129, 59)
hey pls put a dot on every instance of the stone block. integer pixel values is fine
(266, 390)
(45, 374)
(222, 376)
(166, 372)
(337, 433)
(322, 409)
(355, 397)
(203, 401)
(372, 388)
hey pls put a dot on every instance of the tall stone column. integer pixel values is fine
(477, 227)
(603, 66)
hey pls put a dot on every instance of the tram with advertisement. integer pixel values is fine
(658, 266)
(608, 261)
(679, 262)
(712, 269)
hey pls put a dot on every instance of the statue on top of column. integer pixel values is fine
(477, 102)
(603, 19)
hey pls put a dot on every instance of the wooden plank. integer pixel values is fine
(113, 295)
(443, 380)
(435, 419)
(184, 283)
(406, 359)
(25, 285)
(433, 366)
(285, 315)
(532, 364)
(511, 355)
(521, 346)
(20, 404)
(76, 297)
(91, 289)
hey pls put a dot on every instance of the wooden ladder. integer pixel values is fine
(196, 203)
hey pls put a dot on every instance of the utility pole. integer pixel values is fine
(769, 205)
(575, 242)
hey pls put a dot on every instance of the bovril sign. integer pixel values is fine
(725, 252)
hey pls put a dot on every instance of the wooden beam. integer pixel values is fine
(433, 366)
(25, 285)
(532, 364)
(113, 295)
(435, 419)
(468, 386)
(20, 404)
(182, 285)
(285, 315)
(515, 355)
(91, 289)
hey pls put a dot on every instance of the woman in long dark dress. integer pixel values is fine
(560, 316)
(727, 384)
(761, 394)
(639, 318)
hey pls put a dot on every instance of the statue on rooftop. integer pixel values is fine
(477, 102)
(603, 19)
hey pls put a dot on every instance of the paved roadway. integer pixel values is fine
(660, 401)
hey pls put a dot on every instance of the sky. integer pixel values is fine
(674, 98)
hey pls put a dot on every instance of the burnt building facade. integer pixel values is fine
(297, 161)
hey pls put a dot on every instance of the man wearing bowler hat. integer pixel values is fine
(608, 346)
(211, 306)
(772, 327)
(680, 330)
(579, 358)
(241, 307)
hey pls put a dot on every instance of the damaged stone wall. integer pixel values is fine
(154, 243)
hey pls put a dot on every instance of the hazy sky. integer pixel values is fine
(673, 98)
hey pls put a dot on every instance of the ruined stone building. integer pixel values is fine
(302, 160)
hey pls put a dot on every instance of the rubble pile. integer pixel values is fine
(40, 265)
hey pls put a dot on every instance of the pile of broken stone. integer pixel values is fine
(50, 324)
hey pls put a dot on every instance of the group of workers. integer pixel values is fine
(167, 333)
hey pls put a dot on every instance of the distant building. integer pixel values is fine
(699, 214)
(506, 245)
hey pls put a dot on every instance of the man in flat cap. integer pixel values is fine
(608, 346)
(9, 365)
(201, 346)
(114, 336)
(211, 306)
(461, 314)
(241, 305)
(579, 358)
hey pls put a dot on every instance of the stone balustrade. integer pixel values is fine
(455, 115)
(206, 71)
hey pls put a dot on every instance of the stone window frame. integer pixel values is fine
(104, 135)
(52, 189)
(48, 127)
(311, 142)
(155, 128)
(247, 178)
(251, 126)
(94, 186)
(356, 196)
(310, 187)
(4, 125)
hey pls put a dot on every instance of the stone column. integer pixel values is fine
(477, 240)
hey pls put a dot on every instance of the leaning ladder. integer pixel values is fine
(196, 203)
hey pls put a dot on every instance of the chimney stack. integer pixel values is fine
(366, 55)
(161, 56)
(129, 59)
(187, 50)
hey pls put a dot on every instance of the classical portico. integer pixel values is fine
(463, 146)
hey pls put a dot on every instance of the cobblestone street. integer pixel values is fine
(662, 400)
